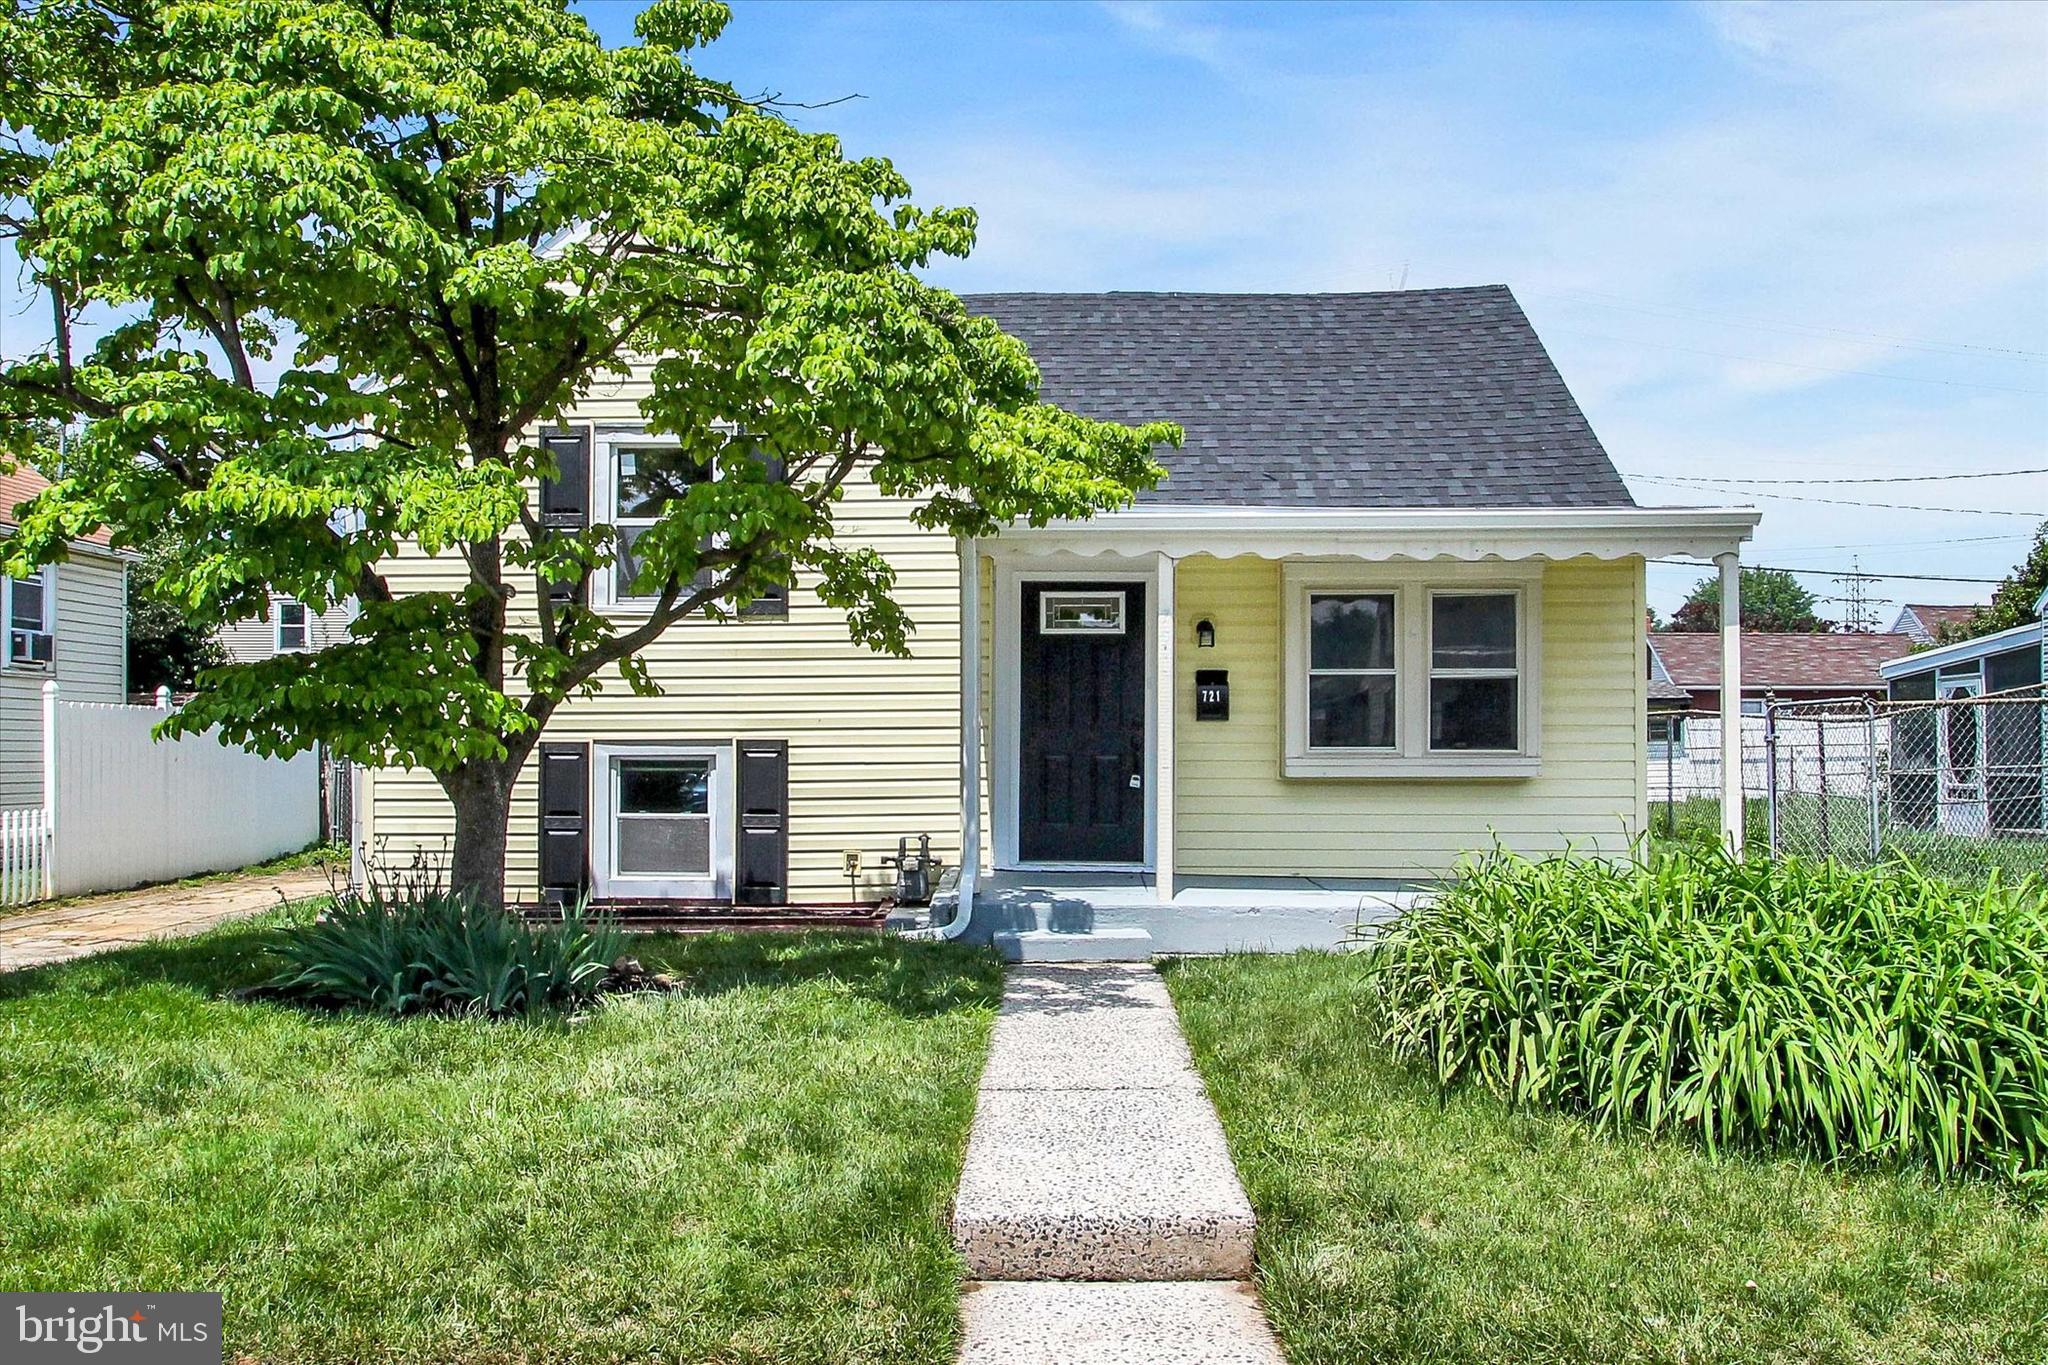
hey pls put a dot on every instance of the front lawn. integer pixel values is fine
(757, 1168)
(1400, 1224)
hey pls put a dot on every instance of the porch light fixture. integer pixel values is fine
(1205, 634)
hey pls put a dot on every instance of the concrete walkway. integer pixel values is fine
(1099, 1213)
(34, 938)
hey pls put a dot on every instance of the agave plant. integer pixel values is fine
(442, 953)
(1852, 1013)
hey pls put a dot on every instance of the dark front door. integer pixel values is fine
(1081, 730)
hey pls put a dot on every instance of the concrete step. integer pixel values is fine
(1055, 1323)
(1099, 1184)
(1095, 945)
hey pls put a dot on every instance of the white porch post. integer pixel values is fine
(1730, 563)
(50, 693)
(1162, 731)
(970, 729)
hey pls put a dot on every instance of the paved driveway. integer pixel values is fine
(82, 927)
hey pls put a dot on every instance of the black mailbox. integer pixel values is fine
(1212, 694)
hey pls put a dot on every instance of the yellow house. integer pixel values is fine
(1386, 608)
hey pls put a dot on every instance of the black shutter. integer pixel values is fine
(775, 601)
(565, 499)
(564, 822)
(761, 874)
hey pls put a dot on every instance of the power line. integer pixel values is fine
(1888, 478)
(1852, 502)
(1837, 573)
(1800, 365)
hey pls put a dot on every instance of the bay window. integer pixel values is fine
(1409, 670)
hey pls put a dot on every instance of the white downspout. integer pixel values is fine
(970, 739)
(1732, 808)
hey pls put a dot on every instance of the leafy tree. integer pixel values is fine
(165, 647)
(1772, 600)
(2012, 602)
(361, 252)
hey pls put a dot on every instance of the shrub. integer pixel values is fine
(440, 953)
(1869, 1013)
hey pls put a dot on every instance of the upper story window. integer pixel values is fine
(27, 611)
(1404, 671)
(647, 477)
(639, 478)
(294, 634)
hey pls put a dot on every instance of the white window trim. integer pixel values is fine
(277, 606)
(608, 882)
(1412, 587)
(8, 663)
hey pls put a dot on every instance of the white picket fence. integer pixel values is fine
(24, 855)
(122, 808)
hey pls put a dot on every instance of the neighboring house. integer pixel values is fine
(1924, 622)
(289, 627)
(68, 622)
(1386, 609)
(1788, 666)
(1974, 758)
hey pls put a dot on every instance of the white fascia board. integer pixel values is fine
(1962, 651)
(1393, 533)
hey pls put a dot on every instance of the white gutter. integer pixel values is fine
(1962, 651)
(1394, 532)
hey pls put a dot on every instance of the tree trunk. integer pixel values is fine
(482, 796)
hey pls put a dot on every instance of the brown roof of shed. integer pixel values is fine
(1791, 662)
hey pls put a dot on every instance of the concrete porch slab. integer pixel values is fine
(1032, 915)
(1063, 1323)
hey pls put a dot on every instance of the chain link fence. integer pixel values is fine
(1957, 786)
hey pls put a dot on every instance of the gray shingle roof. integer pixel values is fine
(1414, 398)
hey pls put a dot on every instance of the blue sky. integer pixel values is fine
(1761, 241)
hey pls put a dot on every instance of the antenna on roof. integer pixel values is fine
(1404, 276)
(1859, 609)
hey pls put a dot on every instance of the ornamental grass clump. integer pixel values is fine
(443, 954)
(1869, 1014)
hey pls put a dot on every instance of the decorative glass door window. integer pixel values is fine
(664, 822)
(1352, 691)
(1474, 673)
(1081, 613)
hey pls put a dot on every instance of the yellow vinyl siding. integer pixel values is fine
(874, 741)
(1235, 814)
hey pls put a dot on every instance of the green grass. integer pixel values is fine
(1400, 1224)
(757, 1168)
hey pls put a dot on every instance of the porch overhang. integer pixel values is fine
(1390, 533)
(1154, 539)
